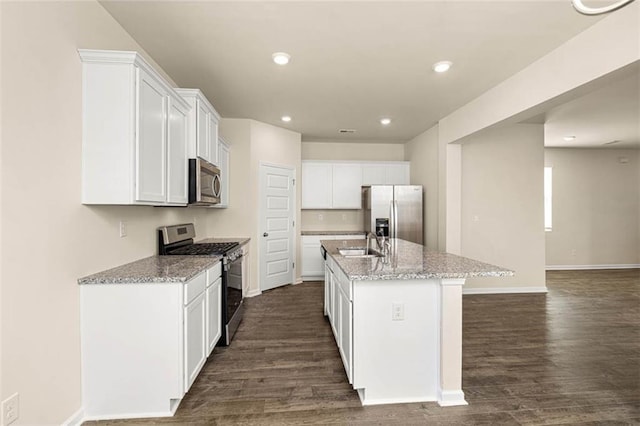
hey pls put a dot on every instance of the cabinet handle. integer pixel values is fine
(266, 234)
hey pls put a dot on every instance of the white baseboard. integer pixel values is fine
(76, 418)
(312, 278)
(581, 267)
(451, 398)
(503, 290)
(253, 293)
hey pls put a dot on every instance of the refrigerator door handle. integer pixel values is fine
(391, 219)
(395, 219)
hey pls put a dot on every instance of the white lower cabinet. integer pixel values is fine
(340, 314)
(195, 353)
(346, 331)
(143, 345)
(214, 306)
(312, 261)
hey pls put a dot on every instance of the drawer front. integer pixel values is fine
(194, 287)
(214, 273)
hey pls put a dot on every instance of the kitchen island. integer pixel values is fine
(397, 320)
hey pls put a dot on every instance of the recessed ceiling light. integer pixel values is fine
(569, 138)
(442, 66)
(285, 118)
(281, 58)
(385, 121)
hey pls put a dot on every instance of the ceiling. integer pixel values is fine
(608, 117)
(352, 62)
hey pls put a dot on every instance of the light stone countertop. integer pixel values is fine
(332, 233)
(242, 241)
(409, 261)
(154, 269)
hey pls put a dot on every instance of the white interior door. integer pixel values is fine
(277, 226)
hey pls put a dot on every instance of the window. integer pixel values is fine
(548, 175)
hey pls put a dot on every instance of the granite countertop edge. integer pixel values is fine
(332, 232)
(160, 269)
(154, 270)
(439, 265)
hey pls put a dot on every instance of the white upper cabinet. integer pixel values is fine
(337, 184)
(203, 126)
(397, 174)
(374, 174)
(177, 153)
(347, 180)
(223, 160)
(317, 185)
(151, 140)
(132, 144)
(386, 173)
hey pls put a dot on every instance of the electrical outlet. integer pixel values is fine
(344, 217)
(397, 311)
(10, 409)
(123, 229)
(320, 217)
(573, 252)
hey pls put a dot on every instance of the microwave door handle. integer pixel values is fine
(216, 186)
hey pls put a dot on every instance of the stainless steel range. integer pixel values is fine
(177, 240)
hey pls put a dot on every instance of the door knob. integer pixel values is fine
(266, 234)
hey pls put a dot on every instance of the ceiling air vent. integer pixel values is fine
(347, 131)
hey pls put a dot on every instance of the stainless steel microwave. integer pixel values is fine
(204, 183)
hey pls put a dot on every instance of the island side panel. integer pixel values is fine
(396, 361)
(450, 392)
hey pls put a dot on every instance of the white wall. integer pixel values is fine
(352, 151)
(49, 239)
(253, 142)
(596, 208)
(344, 220)
(609, 45)
(422, 152)
(502, 204)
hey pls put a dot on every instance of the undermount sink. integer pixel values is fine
(359, 252)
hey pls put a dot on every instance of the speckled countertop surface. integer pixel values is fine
(160, 269)
(154, 269)
(332, 233)
(409, 261)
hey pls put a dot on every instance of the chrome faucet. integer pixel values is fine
(379, 241)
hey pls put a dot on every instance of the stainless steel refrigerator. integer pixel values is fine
(396, 210)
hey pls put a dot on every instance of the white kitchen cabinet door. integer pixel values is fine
(151, 140)
(195, 339)
(214, 318)
(374, 174)
(203, 144)
(213, 139)
(335, 308)
(223, 160)
(347, 180)
(316, 185)
(346, 344)
(397, 174)
(312, 263)
(177, 170)
(327, 299)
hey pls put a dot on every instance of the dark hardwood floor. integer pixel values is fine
(571, 356)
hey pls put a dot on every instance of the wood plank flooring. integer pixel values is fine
(571, 356)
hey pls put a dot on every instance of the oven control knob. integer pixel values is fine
(266, 234)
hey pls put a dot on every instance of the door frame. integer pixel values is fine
(261, 217)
